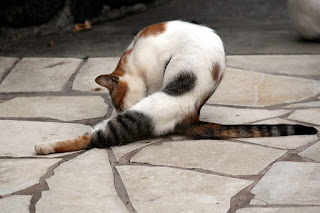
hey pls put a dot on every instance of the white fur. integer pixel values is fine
(193, 48)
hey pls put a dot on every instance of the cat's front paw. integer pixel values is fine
(44, 148)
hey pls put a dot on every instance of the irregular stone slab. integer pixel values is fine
(307, 65)
(228, 115)
(290, 183)
(65, 108)
(275, 121)
(287, 142)
(19, 203)
(244, 88)
(18, 138)
(311, 209)
(84, 184)
(307, 115)
(217, 156)
(18, 174)
(5, 63)
(300, 105)
(156, 189)
(120, 151)
(40, 74)
(313, 152)
(85, 80)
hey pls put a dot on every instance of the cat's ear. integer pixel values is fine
(108, 81)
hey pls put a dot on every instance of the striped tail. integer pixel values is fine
(216, 131)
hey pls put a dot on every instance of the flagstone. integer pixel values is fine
(290, 183)
(19, 203)
(18, 174)
(313, 152)
(245, 88)
(18, 138)
(275, 121)
(287, 142)
(307, 104)
(120, 151)
(40, 74)
(157, 189)
(85, 80)
(228, 115)
(217, 156)
(5, 63)
(83, 184)
(65, 108)
(302, 65)
(307, 115)
(307, 209)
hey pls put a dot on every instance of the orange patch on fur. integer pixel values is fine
(118, 72)
(230, 134)
(153, 30)
(215, 72)
(192, 117)
(256, 133)
(79, 143)
(118, 95)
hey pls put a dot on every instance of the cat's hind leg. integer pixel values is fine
(82, 142)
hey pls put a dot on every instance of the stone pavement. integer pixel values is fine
(44, 99)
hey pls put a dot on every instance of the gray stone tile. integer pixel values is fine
(19, 204)
(5, 63)
(84, 184)
(120, 151)
(307, 104)
(18, 138)
(158, 189)
(287, 142)
(18, 174)
(290, 183)
(228, 115)
(308, 209)
(307, 65)
(245, 88)
(275, 121)
(307, 115)
(40, 74)
(65, 108)
(218, 156)
(85, 80)
(313, 152)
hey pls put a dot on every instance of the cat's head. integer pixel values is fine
(125, 90)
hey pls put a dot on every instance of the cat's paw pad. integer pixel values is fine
(44, 148)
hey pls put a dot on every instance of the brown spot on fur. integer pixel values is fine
(192, 117)
(124, 58)
(255, 133)
(230, 133)
(118, 72)
(153, 30)
(215, 72)
(118, 95)
(79, 143)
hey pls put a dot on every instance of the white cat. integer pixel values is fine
(159, 86)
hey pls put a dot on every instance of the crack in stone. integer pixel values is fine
(54, 65)
(8, 70)
(118, 183)
(36, 190)
(68, 85)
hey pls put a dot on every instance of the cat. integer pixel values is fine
(161, 82)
